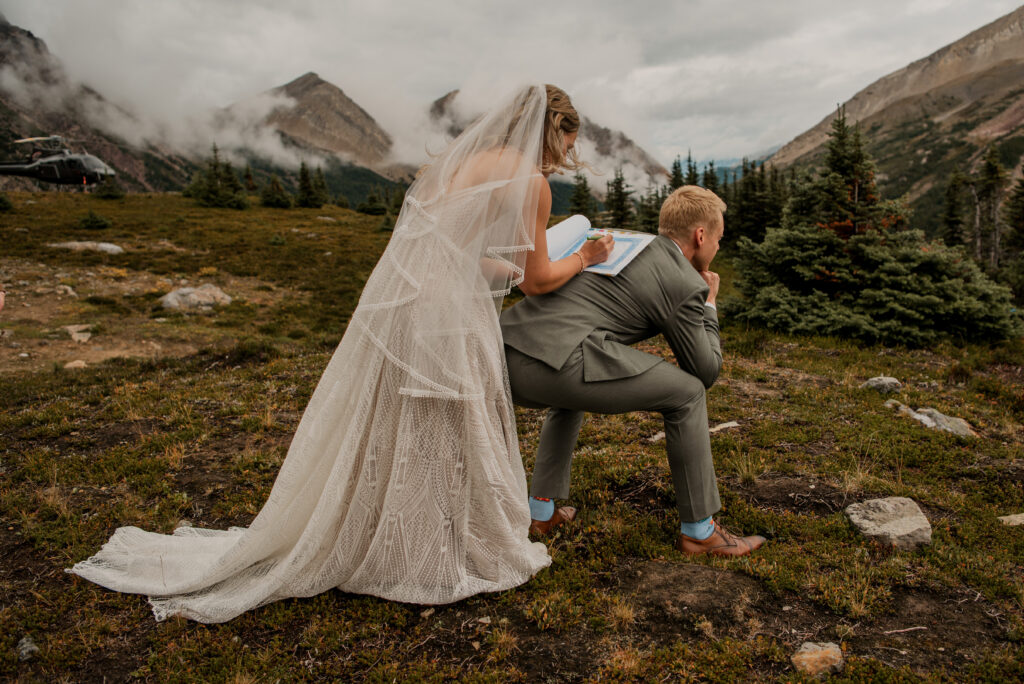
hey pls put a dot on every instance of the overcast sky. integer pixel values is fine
(725, 78)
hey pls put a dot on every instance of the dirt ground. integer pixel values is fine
(42, 299)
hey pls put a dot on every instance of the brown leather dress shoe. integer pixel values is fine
(545, 527)
(722, 542)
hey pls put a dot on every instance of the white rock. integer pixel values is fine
(935, 420)
(883, 383)
(656, 437)
(27, 648)
(895, 521)
(958, 426)
(107, 247)
(79, 333)
(77, 363)
(1016, 519)
(66, 290)
(724, 426)
(326, 218)
(818, 658)
(195, 298)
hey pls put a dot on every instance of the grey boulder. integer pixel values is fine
(202, 298)
(895, 521)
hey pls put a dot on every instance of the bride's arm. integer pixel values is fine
(543, 275)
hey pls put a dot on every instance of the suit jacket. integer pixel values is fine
(658, 292)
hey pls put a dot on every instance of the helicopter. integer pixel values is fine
(50, 160)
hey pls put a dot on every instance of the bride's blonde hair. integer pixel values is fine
(560, 119)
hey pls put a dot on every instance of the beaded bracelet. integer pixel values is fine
(583, 264)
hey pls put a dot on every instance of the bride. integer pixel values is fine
(404, 478)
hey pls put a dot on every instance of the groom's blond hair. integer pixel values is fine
(687, 207)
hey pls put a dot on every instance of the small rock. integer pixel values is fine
(23, 355)
(883, 383)
(656, 437)
(1014, 520)
(106, 247)
(724, 426)
(484, 620)
(894, 521)
(27, 648)
(818, 658)
(79, 333)
(202, 298)
(427, 613)
(935, 420)
(66, 290)
(5, 333)
(77, 363)
(475, 645)
(958, 426)
(328, 253)
(326, 218)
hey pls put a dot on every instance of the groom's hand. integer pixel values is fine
(711, 278)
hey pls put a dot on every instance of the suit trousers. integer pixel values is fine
(664, 388)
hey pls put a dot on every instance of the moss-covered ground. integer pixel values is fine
(198, 435)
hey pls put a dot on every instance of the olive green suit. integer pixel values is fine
(570, 351)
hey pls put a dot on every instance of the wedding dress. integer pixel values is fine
(404, 478)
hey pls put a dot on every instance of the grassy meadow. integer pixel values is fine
(187, 418)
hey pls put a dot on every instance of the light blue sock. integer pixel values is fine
(542, 509)
(701, 529)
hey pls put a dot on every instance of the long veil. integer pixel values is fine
(404, 478)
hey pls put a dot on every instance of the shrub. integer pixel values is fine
(274, 195)
(5, 204)
(843, 264)
(93, 221)
(109, 189)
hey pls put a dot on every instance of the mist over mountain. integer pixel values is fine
(602, 148)
(935, 115)
(38, 98)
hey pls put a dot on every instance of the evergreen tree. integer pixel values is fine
(217, 185)
(991, 187)
(676, 179)
(842, 264)
(953, 211)
(691, 170)
(374, 204)
(709, 178)
(307, 196)
(341, 201)
(648, 210)
(582, 201)
(274, 195)
(320, 193)
(618, 201)
(1013, 214)
(250, 182)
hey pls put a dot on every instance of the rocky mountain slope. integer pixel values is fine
(38, 98)
(935, 115)
(603, 148)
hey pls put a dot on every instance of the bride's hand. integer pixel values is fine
(596, 251)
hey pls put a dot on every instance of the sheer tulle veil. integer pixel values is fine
(404, 478)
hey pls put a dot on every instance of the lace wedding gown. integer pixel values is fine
(404, 478)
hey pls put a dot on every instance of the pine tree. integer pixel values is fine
(648, 211)
(709, 179)
(953, 211)
(274, 195)
(250, 182)
(991, 187)
(217, 185)
(320, 193)
(676, 179)
(306, 196)
(1013, 214)
(618, 201)
(582, 201)
(691, 170)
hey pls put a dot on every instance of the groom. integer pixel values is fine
(569, 351)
